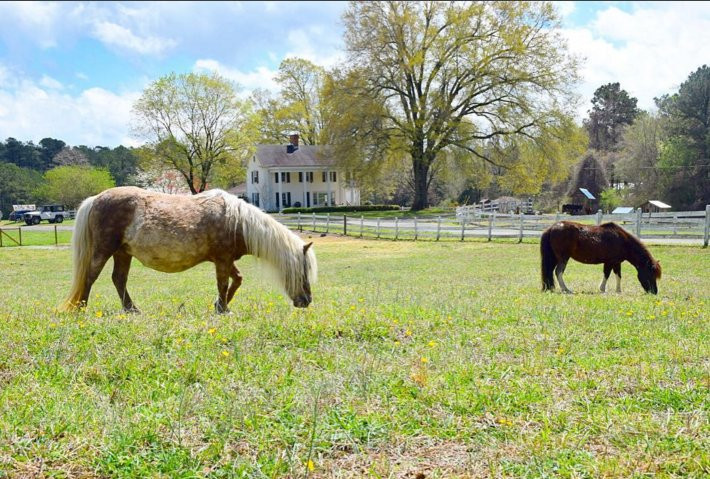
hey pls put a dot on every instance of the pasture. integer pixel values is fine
(415, 360)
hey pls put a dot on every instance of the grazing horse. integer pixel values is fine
(173, 233)
(608, 243)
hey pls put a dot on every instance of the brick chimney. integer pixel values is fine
(292, 143)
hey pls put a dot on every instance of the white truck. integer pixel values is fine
(51, 213)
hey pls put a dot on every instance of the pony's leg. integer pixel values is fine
(223, 271)
(617, 272)
(559, 270)
(121, 266)
(98, 260)
(607, 272)
(236, 283)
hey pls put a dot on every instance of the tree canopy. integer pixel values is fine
(70, 185)
(612, 109)
(196, 125)
(481, 77)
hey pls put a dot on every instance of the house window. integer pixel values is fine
(309, 176)
(277, 200)
(320, 198)
(332, 177)
(276, 177)
(300, 177)
(286, 199)
(255, 177)
(285, 177)
(324, 177)
(255, 199)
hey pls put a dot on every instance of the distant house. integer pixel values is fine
(280, 176)
(622, 210)
(583, 202)
(654, 206)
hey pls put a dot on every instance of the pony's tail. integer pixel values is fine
(82, 251)
(548, 262)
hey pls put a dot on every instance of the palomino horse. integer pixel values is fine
(173, 233)
(608, 243)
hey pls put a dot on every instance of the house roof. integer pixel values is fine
(240, 189)
(659, 204)
(620, 210)
(306, 155)
(586, 193)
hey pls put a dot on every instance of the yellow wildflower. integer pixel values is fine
(311, 467)
(431, 344)
(424, 359)
(408, 332)
(212, 330)
(225, 353)
(99, 313)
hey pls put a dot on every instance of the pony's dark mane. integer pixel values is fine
(637, 247)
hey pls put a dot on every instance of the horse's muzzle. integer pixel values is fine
(302, 301)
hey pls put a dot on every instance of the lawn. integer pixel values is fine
(415, 360)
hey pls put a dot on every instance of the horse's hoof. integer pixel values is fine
(132, 310)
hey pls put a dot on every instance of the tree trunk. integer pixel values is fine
(420, 168)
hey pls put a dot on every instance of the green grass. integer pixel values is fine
(437, 358)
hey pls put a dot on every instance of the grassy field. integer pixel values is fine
(415, 360)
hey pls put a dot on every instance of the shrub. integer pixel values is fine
(341, 209)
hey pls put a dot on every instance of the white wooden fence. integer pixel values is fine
(687, 225)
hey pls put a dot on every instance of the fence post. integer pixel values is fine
(345, 225)
(396, 227)
(300, 227)
(438, 228)
(638, 222)
(55, 236)
(675, 225)
(0, 237)
(314, 221)
(599, 217)
(378, 228)
(361, 217)
(416, 233)
(327, 223)
(707, 226)
(520, 236)
(463, 228)
(490, 225)
(19, 230)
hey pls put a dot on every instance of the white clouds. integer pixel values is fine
(92, 117)
(118, 36)
(261, 77)
(650, 51)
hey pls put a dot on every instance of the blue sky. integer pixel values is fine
(72, 70)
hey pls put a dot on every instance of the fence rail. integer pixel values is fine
(687, 225)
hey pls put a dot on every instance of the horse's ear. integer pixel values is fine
(305, 248)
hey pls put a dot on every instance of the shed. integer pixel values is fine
(622, 210)
(654, 206)
(583, 202)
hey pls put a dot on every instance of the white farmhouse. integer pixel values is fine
(280, 176)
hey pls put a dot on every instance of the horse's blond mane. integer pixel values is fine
(271, 241)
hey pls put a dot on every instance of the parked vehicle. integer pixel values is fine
(51, 213)
(18, 215)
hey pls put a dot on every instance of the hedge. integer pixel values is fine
(341, 209)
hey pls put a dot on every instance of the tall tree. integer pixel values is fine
(589, 175)
(460, 75)
(612, 109)
(686, 155)
(641, 144)
(196, 125)
(70, 185)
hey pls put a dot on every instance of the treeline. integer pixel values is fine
(637, 155)
(53, 171)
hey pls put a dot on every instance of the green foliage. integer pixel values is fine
(341, 209)
(609, 199)
(17, 186)
(589, 175)
(70, 185)
(612, 109)
(196, 125)
(469, 76)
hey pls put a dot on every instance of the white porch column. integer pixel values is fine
(281, 202)
(327, 178)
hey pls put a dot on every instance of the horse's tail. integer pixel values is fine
(548, 262)
(82, 247)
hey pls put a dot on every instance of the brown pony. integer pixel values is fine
(173, 233)
(608, 243)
